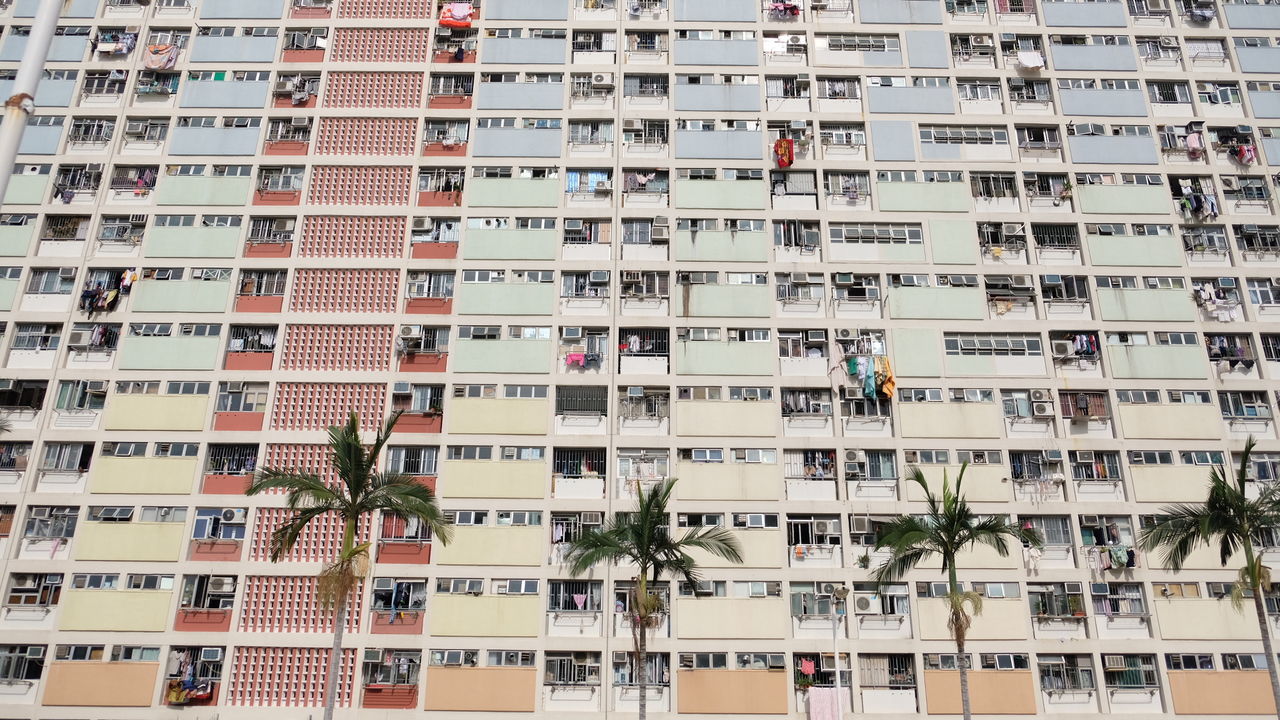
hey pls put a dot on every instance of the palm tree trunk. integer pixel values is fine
(639, 626)
(642, 658)
(335, 657)
(1260, 606)
(963, 663)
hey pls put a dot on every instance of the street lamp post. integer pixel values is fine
(19, 106)
(837, 614)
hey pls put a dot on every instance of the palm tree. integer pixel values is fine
(1228, 519)
(642, 538)
(362, 490)
(949, 528)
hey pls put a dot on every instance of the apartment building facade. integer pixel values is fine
(781, 251)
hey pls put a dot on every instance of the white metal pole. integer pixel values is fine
(836, 617)
(22, 103)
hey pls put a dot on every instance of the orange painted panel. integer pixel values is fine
(225, 484)
(991, 692)
(202, 621)
(424, 362)
(285, 147)
(391, 697)
(297, 56)
(238, 421)
(248, 361)
(277, 197)
(215, 550)
(106, 684)
(420, 423)
(733, 692)
(489, 689)
(441, 198)
(259, 303)
(1221, 692)
(438, 149)
(268, 249)
(449, 102)
(404, 553)
(408, 622)
(434, 250)
(429, 306)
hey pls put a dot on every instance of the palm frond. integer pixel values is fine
(718, 541)
(405, 497)
(341, 577)
(899, 563)
(347, 455)
(286, 536)
(302, 487)
(1178, 530)
(593, 547)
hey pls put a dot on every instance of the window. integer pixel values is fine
(1188, 661)
(704, 661)
(79, 653)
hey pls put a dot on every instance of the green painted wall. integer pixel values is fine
(27, 190)
(1135, 250)
(722, 246)
(923, 197)
(1124, 199)
(510, 244)
(938, 303)
(180, 296)
(725, 358)
(1145, 305)
(917, 352)
(194, 242)
(15, 240)
(513, 192)
(953, 242)
(721, 194)
(505, 298)
(169, 353)
(184, 190)
(723, 300)
(500, 356)
(1157, 361)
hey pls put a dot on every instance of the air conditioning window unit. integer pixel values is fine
(816, 336)
(571, 333)
(598, 276)
(602, 79)
(704, 587)
(211, 654)
(632, 125)
(1053, 456)
(573, 224)
(635, 391)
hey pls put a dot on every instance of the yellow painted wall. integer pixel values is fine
(745, 618)
(493, 546)
(481, 689)
(759, 548)
(1221, 692)
(124, 610)
(732, 692)
(107, 684)
(492, 479)
(157, 542)
(991, 692)
(497, 416)
(1205, 619)
(156, 412)
(726, 418)
(1166, 483)
(146, 475)
(728, 481)
(951, 419)
(1170, 422)
(982, 483)
(484, 616)
(1001, 619)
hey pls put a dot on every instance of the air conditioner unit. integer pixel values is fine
(795, 39)
(815, 336)
(826, 527)
(592, 518)
(384, 584)
(234, 516)
(284, 87)
(704, 587)
(620, 656)
(632, 125)
(93, 168)
(408, 331)
(40, 512)
(852, 393)
(1063, 348)
(373, 655)
(1168, 42)
(602, 79)
(799, 125)
(235, 387)
(1053, 456)
(603, 186)
(843, 279)
(1113, 662)
(76, 338)
(980, 40)
(67, 272)
(799, 277)
(1084, 456)
(658, 232)
(866, 604)
(632, 276)
(571, 333)
(598, 276)
(1039, 395)
(97, 387)
(845, 333)
(1008, 37)
(401, 388)
(135, 127)
(635, 391)
(222, 584)
(211, 654)
(573, 224)
(300, 122)
(1099, 588)
(1042, 409)
(1091, 521)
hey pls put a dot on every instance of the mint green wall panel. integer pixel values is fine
(724, 358)
(721, 194)
(169, 353)
(180, 296)
(723, 300)
(183, 190)
(500, 356)
(510, 244)
(513, 192)
(923, 197)
(917, 352)
(15, 240)
(722, 246)
(1145, 305)
(938, 303)
(8, 292)
(1124, 199)
(192, 242)
(953, 242)
(1172, 362)
(1135, 250)
(505, 298)
(27, 190)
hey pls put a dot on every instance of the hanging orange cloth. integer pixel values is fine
(784, 150)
